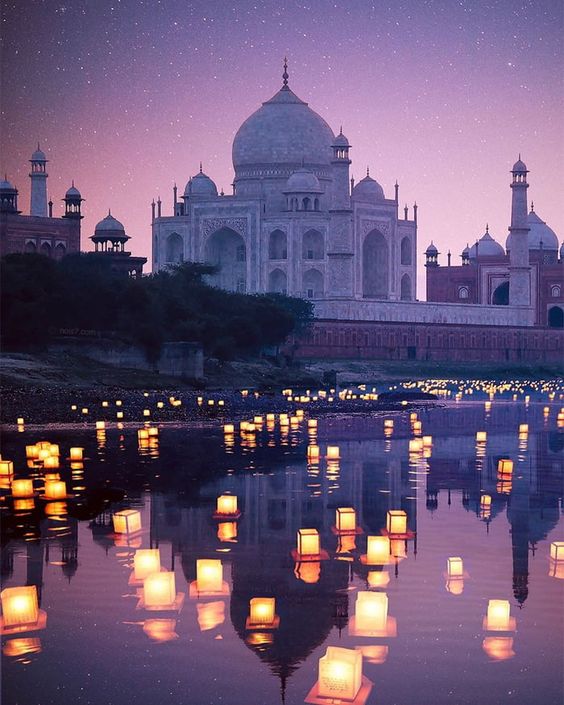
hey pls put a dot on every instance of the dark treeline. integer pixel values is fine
(41, 296)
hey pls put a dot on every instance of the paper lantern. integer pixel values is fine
(557, 550)
(100, 425)
(313, 453)
(159, 590)
(227, 504)
(127, 521)
(312, 423)
(153, 432)
(417, 426)
(427, 441)
(498, 616)
(52, 462)
(333, 453)
(145, 562)
(32, 452)
(76, 453)
(345, 519)
(227, 530)
(143, 434)
(209, 575)
(455, 567)
(523, 428)
(228, 428)
(371, 611)
(270, 418)
(6, 467)
(396, 521)
(481, 436)
(415, 445)
(485, 501)
(413, 416)
(54, 450)
(262, 611)
(84, 410)
(340, 673)
(19, 606)
(308, 542)
(505, 466)
(43, 454)
(388, 423)
(377, 550)
(22, 488)
(55, 489)
(258, 420)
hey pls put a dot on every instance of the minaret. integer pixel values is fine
(519, 270)
(38, 176)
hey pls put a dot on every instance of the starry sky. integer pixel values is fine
(128, 96)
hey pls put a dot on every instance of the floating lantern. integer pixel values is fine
(415, 445)
(416, 427)
(258, 420)
(211, 615)
(127, 521)
(308, 571)
(153, 432)
(159, 590)
(100, 425)
(388, 423)
(55, 489)
(546, 410)
(427, 441)
(557, 551)
(505, 467)
(32, 452)
(270, 418)
(313, 454)
(227, 505)
(455, 567)
(84, 410)
(371, 612)
(396, 521)
(378, 578)
(51, 463)
(74, 407)
(498, 616)
(119, 415)
(523, 429)
(228, 429)
(488, 405)
(340, 673)
(312, 423)
(262, 613)
(413, 416)
(145, 562)
(211, 402)
(227, 530)
(76, 453)
(20, 421)
(6, 467)
(377, 550)
(209, 575)
(333, 453)
(498, 648)
(22, 488)
(345, 519)
(308, 542)
(19, 607)
(146, 413)
(481, 436)
(143, 434)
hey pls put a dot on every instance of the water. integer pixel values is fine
(99, 648)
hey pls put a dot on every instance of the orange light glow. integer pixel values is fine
(127, 521)
(19, 606)
(340, 673)
(345, 519)
(308, 542)
(396, 521)
(159, 590)
(145, 562)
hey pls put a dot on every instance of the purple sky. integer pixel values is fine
(128, 96)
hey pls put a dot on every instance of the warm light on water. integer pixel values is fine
(457, 603)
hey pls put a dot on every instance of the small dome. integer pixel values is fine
(562, 251)
(5, 185)
(538, 232)
(519, 166)
(200, 186)
(302, 181)
(487, 247)
(109, 229)
(465, 252)
(368, 190)
(38, 156)
(431, 250)
(72, 192)
(341, 140)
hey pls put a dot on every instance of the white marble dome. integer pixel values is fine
(200, 186)
(368, 190)
(303, 181)
(487, 247)
(284, 130)
(109, 229)
(538, 232)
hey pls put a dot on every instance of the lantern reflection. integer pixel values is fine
(16, 648)
(376, 654)
(210, 615)
(145, 562)
(22, 489)
(308, 571)
(160, 630)
(378, 578)
(227, 530)
(498, 648)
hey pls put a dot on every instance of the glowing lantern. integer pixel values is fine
(505, 467)
(481, 436)
(340, 673)
(84, 410)
(388, 423)
(427, 441)
(258, 420)
(127, 521)
(211, 615)
(498, 648)
(371, 612)
(159, 590)
(485, 501)
(143, 434)
(52, 462)
(396, 521)
(333, 453)
(557, 550)
(417, 426)
(209, 575)
(313, 453)
(345, 519)
(228, 428)
(6, 467)
(55, 489)
(270, 418)
(145, 562)
(100, 425)
(227, 505)
(308, 542)
(54, 450)
(312, 423)
(43, 454)
(498, 616)
(32, 452)
(76, 453)
(262, 612)
(413, 416)
(455, 567)
(377, 550)
(523, 429)
(22, 488)
(378, 578)
(415, 445)
(153, 432)
(74, 407)
(19, 606)
(227, 530)
(119, 415)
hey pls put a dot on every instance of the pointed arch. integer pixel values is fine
(30, 247)
(60, 251)
(405, 251)
(500, 295)
(278, 282)
(405, 288)
(226, 250)
(45, 249)
(313, 284)
(174, 249)
(277, 245)
(313, 245)
(375, 266)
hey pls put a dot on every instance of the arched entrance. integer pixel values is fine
(313, 284)
(501, 295)
(45, 249)
(375, 266)
(405, 250)
(312, 245)
(405, 288)
(174, 249)
(60, 251)
(555, 317)
(277, 282)
(226, 250)
(277, 247)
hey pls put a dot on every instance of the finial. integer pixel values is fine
(519, 156)
(38, 148)
(221, 192)
(109, 212)
(532, 207)
(341, 130)
(487, 228)
(72, 183)
(285, 74)
(396, 184)
(367, 171)
(200, 167)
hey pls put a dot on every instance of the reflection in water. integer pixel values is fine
(280, 492)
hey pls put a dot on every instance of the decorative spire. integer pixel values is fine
(367, 172)
(201, 168)
(72, 183)
(487, 228)
(285, 74)
(341, 130)
(109, 212)
(532, 207)
(38, 147)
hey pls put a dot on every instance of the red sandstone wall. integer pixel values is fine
(402, 341)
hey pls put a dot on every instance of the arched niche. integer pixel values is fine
(313, 284)
(500, 296)
(277, 282)
(405, 251)
(375, 266)
(60, 251)
(174, 249)
(277, 245)
(30, 247)
(405, 288)
(556, 317)
(45, 249)
(312, 245)
(226, 250)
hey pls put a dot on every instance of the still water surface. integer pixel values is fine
(99, 648)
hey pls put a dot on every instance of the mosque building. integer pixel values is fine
(297, 224)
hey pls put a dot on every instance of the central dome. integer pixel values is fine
(283, 131)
